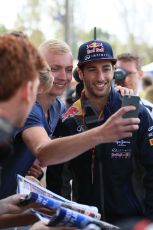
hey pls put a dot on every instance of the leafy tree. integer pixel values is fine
(134, 22)
(3, 29)
(28, 21)
(61, 21)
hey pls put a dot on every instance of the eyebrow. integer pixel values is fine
(105, 65)
(70, 66)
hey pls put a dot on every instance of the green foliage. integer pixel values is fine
(3, 29)
(32, 12)
(142, 49)
(37, 37)
(28, 20)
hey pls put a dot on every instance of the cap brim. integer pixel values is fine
(114, 60)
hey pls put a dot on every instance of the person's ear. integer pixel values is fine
(80, 73)
(26, 91)
(141, 74)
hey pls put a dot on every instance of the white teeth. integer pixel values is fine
(100, 84)
(60, 85)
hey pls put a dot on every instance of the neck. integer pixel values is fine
(46, 101)
(98, 103)
(8, 113)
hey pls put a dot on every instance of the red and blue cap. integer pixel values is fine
(95, 50)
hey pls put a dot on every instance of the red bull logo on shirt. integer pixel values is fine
(71, 112)
(151, 141)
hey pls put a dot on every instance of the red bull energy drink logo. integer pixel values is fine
(95, 47)
(151, 141)
(70, 113)
(94, 44)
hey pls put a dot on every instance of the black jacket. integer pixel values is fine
(122, 186)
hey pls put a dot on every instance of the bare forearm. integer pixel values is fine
(66, 148)
(25, 218)
(14, 220)
(63, 149)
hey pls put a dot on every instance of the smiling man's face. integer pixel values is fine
(61, 65)
(97, 77)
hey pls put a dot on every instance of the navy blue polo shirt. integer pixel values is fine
(22, 158)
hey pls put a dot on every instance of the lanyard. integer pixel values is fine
(94, 148)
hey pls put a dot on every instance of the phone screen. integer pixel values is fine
(131, 100)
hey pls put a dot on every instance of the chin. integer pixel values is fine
(60, 92)
(101, 94)
(57, 92)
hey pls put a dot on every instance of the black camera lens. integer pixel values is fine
(120, 74)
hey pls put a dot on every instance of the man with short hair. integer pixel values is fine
(128, 65)
(20, 66)
(107, 174)
(20, 63)
(22, 89)
(45, 113)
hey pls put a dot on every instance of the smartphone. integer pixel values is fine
(131, 100)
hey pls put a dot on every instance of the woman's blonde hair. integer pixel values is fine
(46, 79)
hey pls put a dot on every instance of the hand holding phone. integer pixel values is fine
(131, 100)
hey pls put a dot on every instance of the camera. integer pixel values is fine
(120, 74)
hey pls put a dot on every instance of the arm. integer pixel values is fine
(15, 220)
(66, 148)
(42, 226)
(11, 204)
(25, 218)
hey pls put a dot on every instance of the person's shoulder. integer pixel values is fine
(148, 105)
(114, 100)
(115, 94)
(146, 102)
(35, 118)
(59, 100)
(36, 109)
(146, 110)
